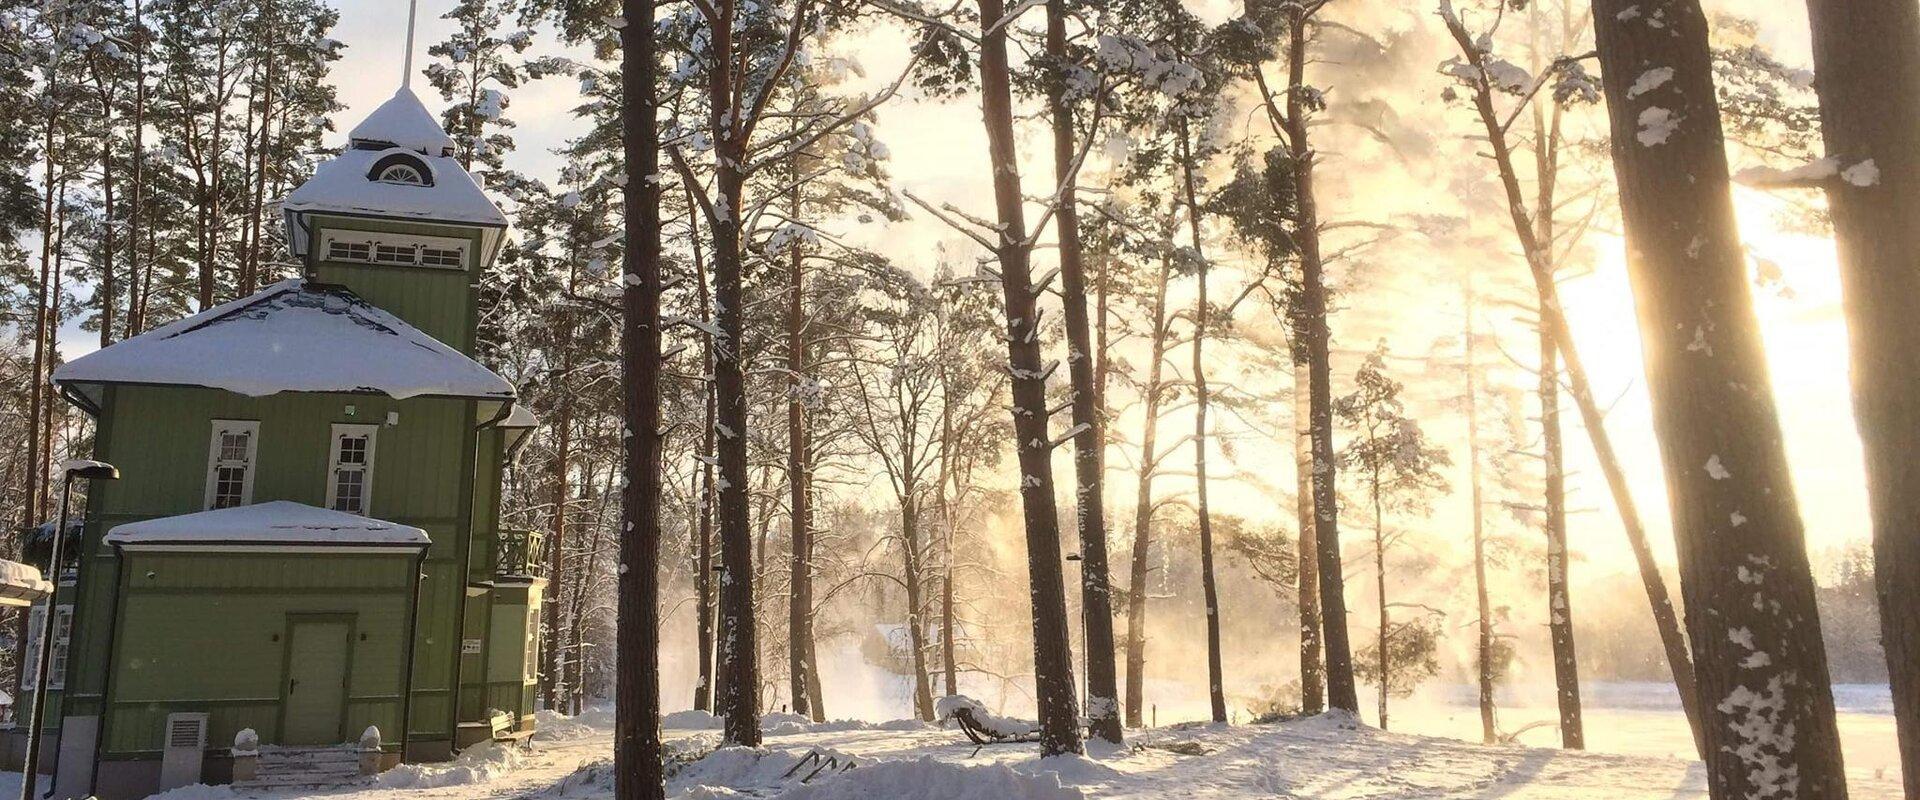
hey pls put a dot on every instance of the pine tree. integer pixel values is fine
(1766, 703)
(1476, 69)
(477, 65)
(1089, 463)
(1867, 57)
(1398, 470)
(637, 750)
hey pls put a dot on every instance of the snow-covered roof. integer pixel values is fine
(403, 121)
(344, 185)
(521, 417)
(279, 522)
(21, 584)
(293, 336)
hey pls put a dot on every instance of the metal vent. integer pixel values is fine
(186, 745)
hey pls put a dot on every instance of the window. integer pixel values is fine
(404, 169)
(350, 472)
(350, 251)
(395, 249)
(402, 173)
(440, 257)
(62, 637)
(533, 643)
(230, 456)
(395, 254)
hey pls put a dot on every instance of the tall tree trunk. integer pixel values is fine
(1210, 592)
(251, 278)
(1382, 656)
(210, 254)
(1313, 675)
(135, 274)
(1052, 652)
(637, 752)
(1089, 462)
(553, 681)
(1743, 561)
(916, 622)
(704, 691)
(1546, 157)
(1566, 667)
(1867, 54)
(949, 650)
(48, 409)
(108, 240)
(1554, 320)
(739, 648)
(1143, 501)
(1313, 331)
(799, 477)
(1483, 606)
(37, 402)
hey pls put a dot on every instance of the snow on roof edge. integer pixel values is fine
(275, 522)
(462, 377)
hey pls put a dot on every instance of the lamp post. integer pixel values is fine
(88, 470)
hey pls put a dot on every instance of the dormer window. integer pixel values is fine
(402, 173)
(402, 169)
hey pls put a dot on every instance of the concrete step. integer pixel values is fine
(285, 767)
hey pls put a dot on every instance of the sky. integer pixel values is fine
(939, 154)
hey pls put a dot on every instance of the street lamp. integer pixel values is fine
(86, 470)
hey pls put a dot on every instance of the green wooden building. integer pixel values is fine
(306, 538)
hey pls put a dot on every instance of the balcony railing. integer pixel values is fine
(520, 553)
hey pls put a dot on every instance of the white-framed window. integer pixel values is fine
(230, 459)
(402, 173)
(62, 639)
(350, 468)
(532, 667)
(394, 249)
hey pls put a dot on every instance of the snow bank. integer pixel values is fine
(198, 791)
(928, 779)
(781, 723)
(992, 723)
(727, 772)
(553, 726)
(550, 726)
(480, 763)
(692, 719)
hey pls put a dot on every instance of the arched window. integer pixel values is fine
(402, 173)
(404, 169)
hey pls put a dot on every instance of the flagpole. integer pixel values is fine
(406, 74)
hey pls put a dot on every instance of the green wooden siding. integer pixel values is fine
(424, 469)
(436, 300)
(207, 632)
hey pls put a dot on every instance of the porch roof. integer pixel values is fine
(277, 522)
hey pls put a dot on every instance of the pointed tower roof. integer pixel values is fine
(399, 132)
(403, 121)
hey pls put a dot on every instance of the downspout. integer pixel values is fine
(406, 680)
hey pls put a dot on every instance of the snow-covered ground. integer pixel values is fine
(1323, 757)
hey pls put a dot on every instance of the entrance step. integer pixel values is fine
(284, 767)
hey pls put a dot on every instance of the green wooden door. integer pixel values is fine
(316, 682)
